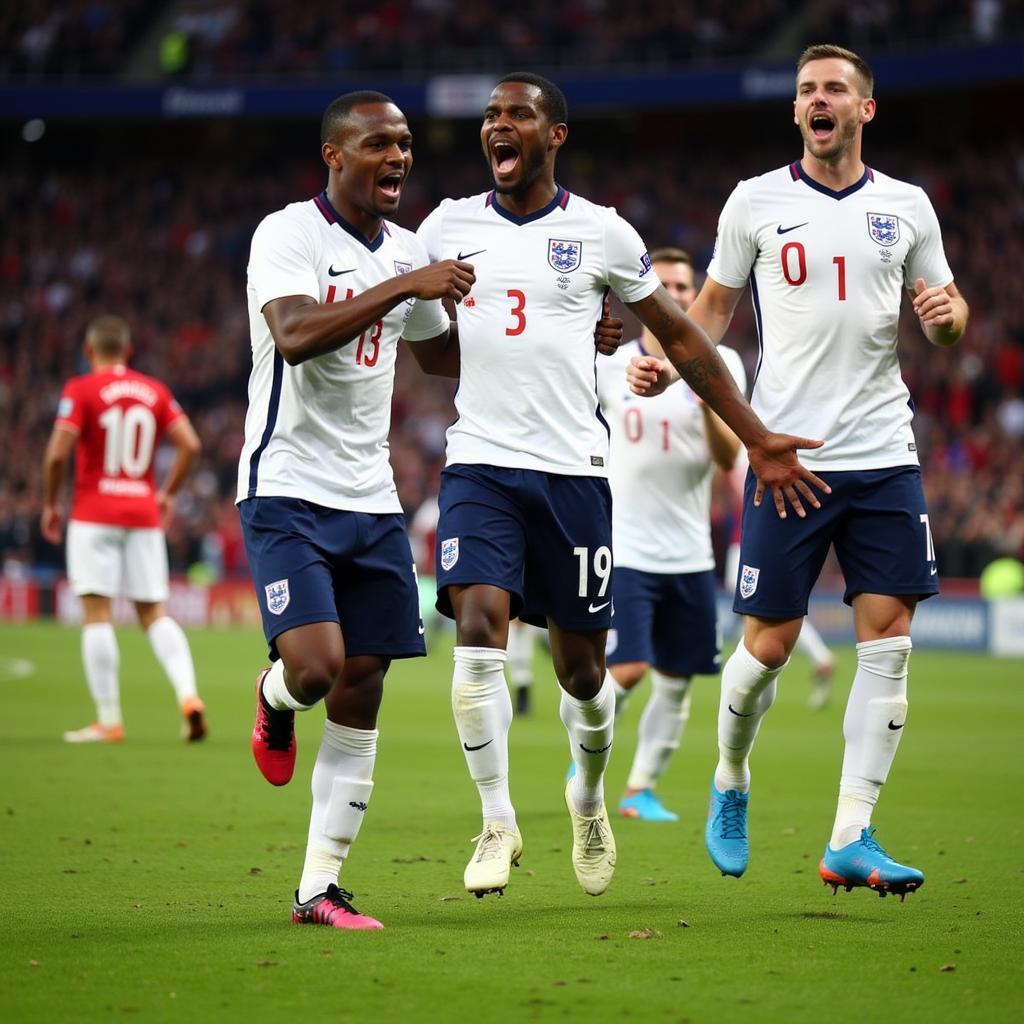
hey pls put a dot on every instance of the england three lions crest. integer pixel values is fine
(563, 255)
(277, 596)
(449, 552)
(748, 580)
(884, 228)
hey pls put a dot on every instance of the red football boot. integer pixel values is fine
(273, 739)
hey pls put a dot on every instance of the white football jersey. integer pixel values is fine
(827, 274)
(660, 469)
(319, 431)
(527, 397)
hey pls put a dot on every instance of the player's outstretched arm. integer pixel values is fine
(303, 328)
(55, 467)
(695, 358)
(943, 312)
(187, 447)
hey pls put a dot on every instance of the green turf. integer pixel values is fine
(153, 880)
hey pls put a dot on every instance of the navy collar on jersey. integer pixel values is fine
(797, 173)
(331, 215)
(561, 200)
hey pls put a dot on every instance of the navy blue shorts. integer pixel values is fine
(544, 538)
(668, 620)
(877, 521)
(316, 564)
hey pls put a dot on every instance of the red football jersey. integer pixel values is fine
(119, 415)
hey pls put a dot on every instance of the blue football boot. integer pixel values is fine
(644, 805)
(864, 862)
(725, 833)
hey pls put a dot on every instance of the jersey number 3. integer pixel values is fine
(517, 311)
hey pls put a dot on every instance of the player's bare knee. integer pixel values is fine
(312, 681)
(583, 680)
(628, 674)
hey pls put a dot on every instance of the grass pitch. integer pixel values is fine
(153, 880)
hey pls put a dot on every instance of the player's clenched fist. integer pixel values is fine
(648, 376)
(448, 279)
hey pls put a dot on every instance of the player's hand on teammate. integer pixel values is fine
(778, 470)
(51, 523)
(448, 279)
(608, 333)
(648, 376)
(933, 306)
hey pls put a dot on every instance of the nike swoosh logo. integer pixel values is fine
(466, 256)
(481, 747)
(337, 273)
(934, 571)
(421, 631)
(593, 609)
(739, 714)
(780, 230)
(894, 726)
(587, 750)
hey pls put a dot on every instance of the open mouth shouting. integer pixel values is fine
(822, 126)
(504, 158)
(390, 186)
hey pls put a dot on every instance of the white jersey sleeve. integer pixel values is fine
(735, 243)
(283, 259)
(427, 319)
(926, 257)
(628, 266)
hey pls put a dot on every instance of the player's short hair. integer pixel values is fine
(829, 51)
(669, 254)
(552, 99)
(108, 335)
(340, 110)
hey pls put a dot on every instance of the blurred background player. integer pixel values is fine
(522, 640)
(525, 524)
(829, 245)
(809, 642)
(331, 288)
(112, 418)
(663, 456)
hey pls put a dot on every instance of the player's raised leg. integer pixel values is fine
(170, 645)
(587, 710)
(482, 709)
(876, 714)
(342, 785)
(748, 691)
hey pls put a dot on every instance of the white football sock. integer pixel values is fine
(171, 648)
(590, 724)
(102, 660)
(875, 713)
(342, 783)
(748, 689)
(661, 727)
(483, 714)
(622, 695)
(276, 694)
(520, 655)
(809, 641)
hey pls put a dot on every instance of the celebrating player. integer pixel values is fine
(112, 419)
(664, 452)
(828, 245)
(525, 524)
(332, 285)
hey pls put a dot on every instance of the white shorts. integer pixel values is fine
(112, 560)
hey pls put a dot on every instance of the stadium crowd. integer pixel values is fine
(165, 244)
(220, 39)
